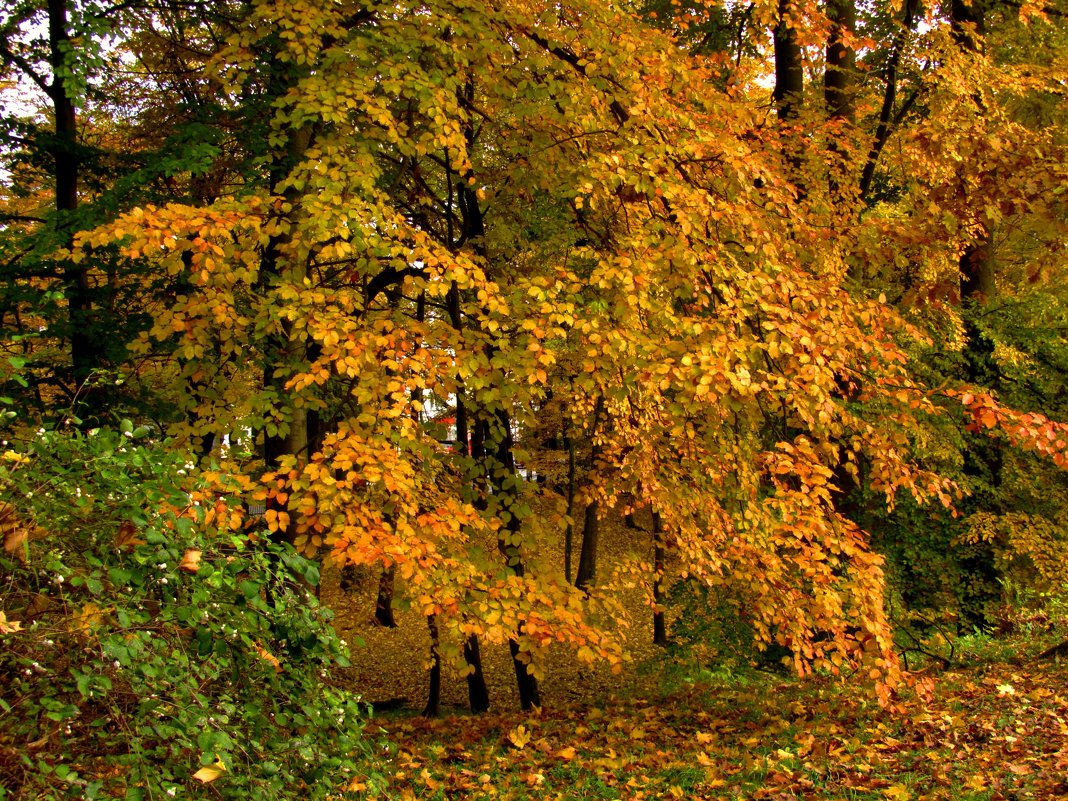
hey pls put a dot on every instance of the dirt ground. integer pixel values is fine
(390, 664)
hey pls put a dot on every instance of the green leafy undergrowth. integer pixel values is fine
(150, 647)
(991, 733)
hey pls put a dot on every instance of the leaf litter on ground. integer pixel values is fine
(997, 732)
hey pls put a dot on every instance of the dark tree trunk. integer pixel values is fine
(506, 488)
(841, 60)
(659, 623)
(433, 695)
(838, 84)
(789, 67)
(477, 692)
(502, 475)
(569, 531)
(984, 458)
(887, 117)
(384, 601)
(977, 274)
(283, 348)
(591, 534)
(86, 353)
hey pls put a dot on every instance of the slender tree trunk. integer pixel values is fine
(569, 531)
(591, 534)
(591, 528)
(282, 348)
(384, 600)
(86, 353)
(659, 622)
(984, 460)
(502, 476)
(506, 487)
(886, 113)
(433, 695)
(477, 691)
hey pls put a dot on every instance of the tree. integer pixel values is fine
(498, 212)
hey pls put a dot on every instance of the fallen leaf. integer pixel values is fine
(210, 773)
(126, 538)
(6, 627)
(519, 737)
(191, 560)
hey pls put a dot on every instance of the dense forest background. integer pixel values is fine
(445, 293)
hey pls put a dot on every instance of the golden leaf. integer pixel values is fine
(7, 627)
(519, 737)
(210, 773)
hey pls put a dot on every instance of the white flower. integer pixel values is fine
(163, 580)
(117, 664)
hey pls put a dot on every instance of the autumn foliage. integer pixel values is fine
(636, 262)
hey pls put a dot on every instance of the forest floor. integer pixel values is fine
(686, 723)
(996, 732)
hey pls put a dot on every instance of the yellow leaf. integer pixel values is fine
(519, 737)
(210, 773)
(86, 619)
(6, 627)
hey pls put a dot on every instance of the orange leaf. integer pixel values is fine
(191, 560)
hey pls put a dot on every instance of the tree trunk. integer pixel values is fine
(507, 488)
(477, 692)
(433, 695)
(886, 113)
(838, 86)
(282, 348)
(591, 533)
(569, 531)
(984, 459)
(502, 476)
(86, 355)
(384, 601)
(841, 60)
(789, 67)
(659, 623)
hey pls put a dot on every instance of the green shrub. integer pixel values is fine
(148, 652)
